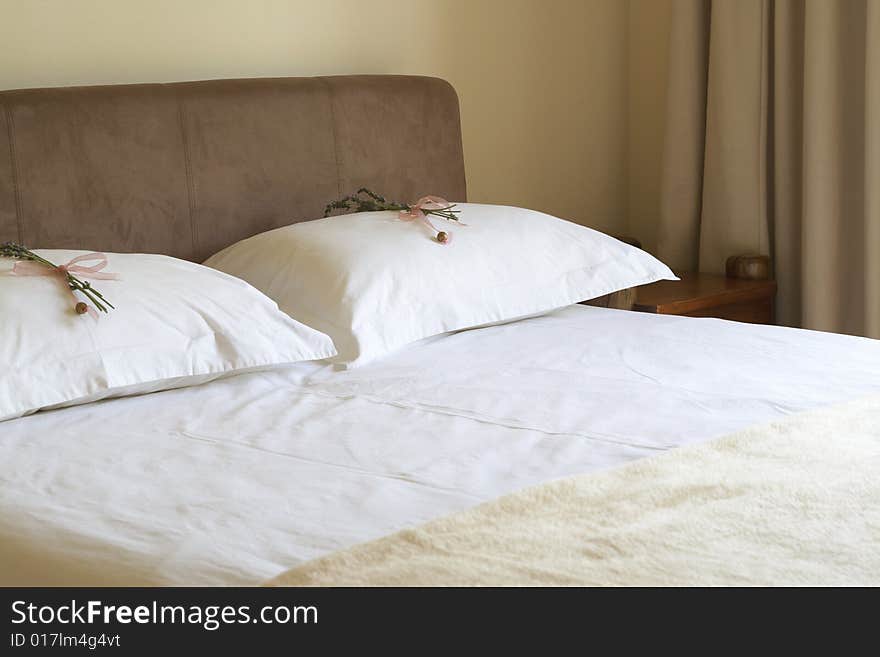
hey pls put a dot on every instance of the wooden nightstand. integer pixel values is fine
(710, 295)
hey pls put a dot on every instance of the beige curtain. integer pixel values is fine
(773, 146)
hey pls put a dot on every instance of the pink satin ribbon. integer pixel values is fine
(416, 211)
(31, 268)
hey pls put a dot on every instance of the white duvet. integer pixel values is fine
(235, 481)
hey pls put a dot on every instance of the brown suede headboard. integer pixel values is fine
(186, 169)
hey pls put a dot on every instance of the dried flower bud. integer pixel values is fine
(442, 237)
(81, 308)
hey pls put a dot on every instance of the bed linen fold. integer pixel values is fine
(795, 502)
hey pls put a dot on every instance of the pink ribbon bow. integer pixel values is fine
(31, 268)
(416, 211)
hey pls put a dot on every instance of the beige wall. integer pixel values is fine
(648, 47)
(546, 86)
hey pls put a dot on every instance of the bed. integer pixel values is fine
(235, 481)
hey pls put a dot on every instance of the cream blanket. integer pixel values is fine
(796, 502)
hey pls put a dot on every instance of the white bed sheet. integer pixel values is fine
(236, 480)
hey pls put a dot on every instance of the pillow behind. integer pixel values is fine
(375, 283)
(176, 324)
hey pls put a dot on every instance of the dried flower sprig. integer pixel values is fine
(365, 200)
(18, 252)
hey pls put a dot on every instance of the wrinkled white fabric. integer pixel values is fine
(237, 480)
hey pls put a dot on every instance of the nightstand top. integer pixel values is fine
(696, 291)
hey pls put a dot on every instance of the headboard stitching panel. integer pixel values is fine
(336, 150)
(15, 196)
(187, 164)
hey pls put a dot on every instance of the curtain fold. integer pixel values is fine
(773, 146)
(872, 170)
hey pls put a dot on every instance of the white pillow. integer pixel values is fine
(176, 324)
(375, 283)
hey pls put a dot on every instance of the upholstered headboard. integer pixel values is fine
(186, 169)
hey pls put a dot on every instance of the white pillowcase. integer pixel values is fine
(176, 324)
(375, 283)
